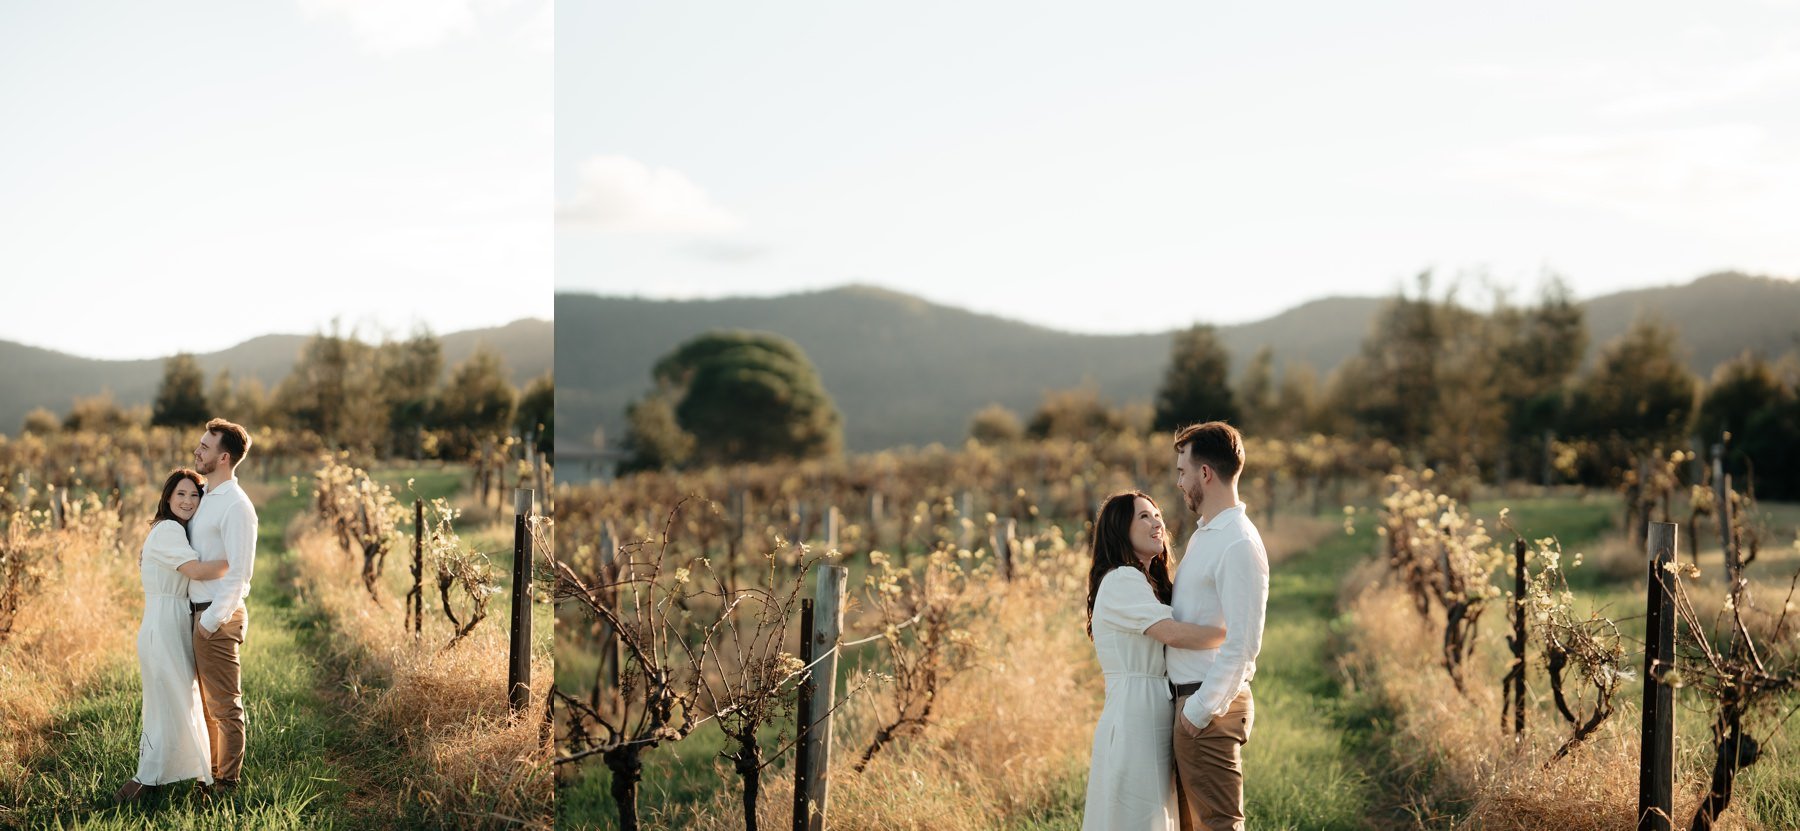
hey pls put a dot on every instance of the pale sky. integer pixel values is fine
(1133, 167)
(386, 162)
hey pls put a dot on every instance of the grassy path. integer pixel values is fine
(305, 766)
(1314, 756)
(1307, 763)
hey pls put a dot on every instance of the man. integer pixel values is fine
(224, 528)
(1223, 580)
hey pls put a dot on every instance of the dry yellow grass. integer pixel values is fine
(1006, 735)
(1450, 755)
(82, 619)
(477, 766)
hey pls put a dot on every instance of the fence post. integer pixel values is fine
(1004, 536)
(828, 622)
(803, 761)
(1518, 638)
(1549, 470)
(965, 538)
(415, 610)
(518, 675)
(1273, 480)
(832, 516)
(1656, 769)
(612, 649)
(1722, 493)
(874, 518)
(742, 508)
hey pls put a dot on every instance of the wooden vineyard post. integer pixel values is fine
(1656, 771)
(874, 519)
(1273, 481)
(1005, 536)
(737, 539)
(815, 709)
(832, 517)
(518, 674)
(415, 599)
(965, 539)
(1722, 493)
(612, 648)
(802, 761)
(1518, 638)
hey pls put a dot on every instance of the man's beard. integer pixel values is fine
(206, 468)
(1193, 501)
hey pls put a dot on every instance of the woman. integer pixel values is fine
(1129, 775)
(174, 744)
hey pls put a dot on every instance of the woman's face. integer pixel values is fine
(185, 500)
(1147, 530)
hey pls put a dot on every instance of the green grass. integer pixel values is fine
(1302, 765)
(1768, 791)
(296, 772)
(1316, 757)
(306, 765)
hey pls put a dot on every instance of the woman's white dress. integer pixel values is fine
(1130, 782)
(174, 745)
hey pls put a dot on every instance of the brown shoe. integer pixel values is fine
(132, 791)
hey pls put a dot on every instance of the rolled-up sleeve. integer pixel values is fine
(1244, 595)
(239, 531)
(1127, 603)
(167, 545)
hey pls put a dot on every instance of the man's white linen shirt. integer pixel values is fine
(223, 528)
(1223, 580)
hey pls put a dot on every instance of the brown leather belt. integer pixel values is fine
(1179, 690)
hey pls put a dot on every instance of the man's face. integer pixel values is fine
(1188, 476)
(208, 456)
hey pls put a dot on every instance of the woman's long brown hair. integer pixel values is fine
(168, 492)
(1111, 546)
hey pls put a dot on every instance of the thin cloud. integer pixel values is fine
(623, 195)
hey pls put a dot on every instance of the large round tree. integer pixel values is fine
(749, 396)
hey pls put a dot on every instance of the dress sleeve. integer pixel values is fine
(1127, 603)
(168, 545)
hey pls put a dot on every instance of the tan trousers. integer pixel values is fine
(221, 692)
(1209, 770)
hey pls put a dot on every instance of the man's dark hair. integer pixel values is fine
(233, 438)
(1215, 444)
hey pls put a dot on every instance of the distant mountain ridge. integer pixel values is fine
(907, 371)
(31, 377)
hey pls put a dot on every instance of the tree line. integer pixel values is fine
(391, 398)
(1499, 394)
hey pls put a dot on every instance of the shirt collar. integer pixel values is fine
(1219, 520)
(225, 488)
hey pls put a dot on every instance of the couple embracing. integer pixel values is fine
(1178, 654)
(195, 566)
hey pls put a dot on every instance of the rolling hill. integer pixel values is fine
(31, 377)
(907, 371)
